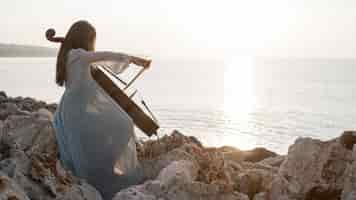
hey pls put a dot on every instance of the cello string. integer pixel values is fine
(113, 74)
(149, 110)
(146, 106)
(134, 93)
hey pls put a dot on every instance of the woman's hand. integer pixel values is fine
(140, 61)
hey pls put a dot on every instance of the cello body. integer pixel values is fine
(105, 80)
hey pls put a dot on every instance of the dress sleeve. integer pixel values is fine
(117, 62)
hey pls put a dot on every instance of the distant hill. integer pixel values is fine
(14, 50)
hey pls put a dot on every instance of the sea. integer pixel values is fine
(243, 102)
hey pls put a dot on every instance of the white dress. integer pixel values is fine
(94, 134)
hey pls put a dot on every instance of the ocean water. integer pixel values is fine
(243, 102)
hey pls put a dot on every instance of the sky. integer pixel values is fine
(193, 28)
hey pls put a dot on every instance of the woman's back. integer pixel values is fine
(77, 73)
(93, 132)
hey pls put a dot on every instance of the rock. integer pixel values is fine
(52, 107)
(254, 155)
(175, 167)
(9, 189)
(176, 182)
(18, 99)
(253, 181)
(3, 94)
(153, 167)
(2, 99)
(82, 191)
(273, 161)
(283, 189)
(33, 189)
(17, 162)
(153, 148)
(350, 196)
(258, 154)
(195, 141)
(7, 109)
(2, 126)
(323, 192)
(29, 155)
(29, 133)
(186, 172)
(349, 190)
(348, 139)
(43, 171)
(25, 105)
(260, 196)
(134, 193)
(313, 168)
(178, 171)
(215, 178)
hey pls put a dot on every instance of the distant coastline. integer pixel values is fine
(15, 50)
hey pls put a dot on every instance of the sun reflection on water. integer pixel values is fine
(239, 102)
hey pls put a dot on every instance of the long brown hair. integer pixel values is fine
(80, 35)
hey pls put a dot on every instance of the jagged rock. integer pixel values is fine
(153, 148)
(52, 107)
(273, 161)
(29, 155)
(29, 133)
(3, 94)
(349, 190)
(260, 196)
(323, 192)
(16, 161)
(18, 99)
(1, 129)
(23, 105)
(153, 167)
(44, 113)
(282, 188)
(7, 109)
(179, 171)
(39, 179)
(134, 193)
(9, 189)
(348, 139)
(43, 171)
(253, 181)
(350, 196)
(2, 99)
(33, 189)
(82, 191)
(216, 176)
(254, 155)
(176, 181)
(10, 107)
(176, 167)
(313, 169)
(258, 154)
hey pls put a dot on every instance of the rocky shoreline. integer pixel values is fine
(177, 167)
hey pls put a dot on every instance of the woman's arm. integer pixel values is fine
(97, 56)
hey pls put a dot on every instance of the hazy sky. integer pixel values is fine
(297, 28)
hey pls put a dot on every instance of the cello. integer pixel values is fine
(104, 77)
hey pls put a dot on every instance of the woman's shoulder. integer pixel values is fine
(77, 51)
(74, 54)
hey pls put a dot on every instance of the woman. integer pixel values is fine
(95, 136)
